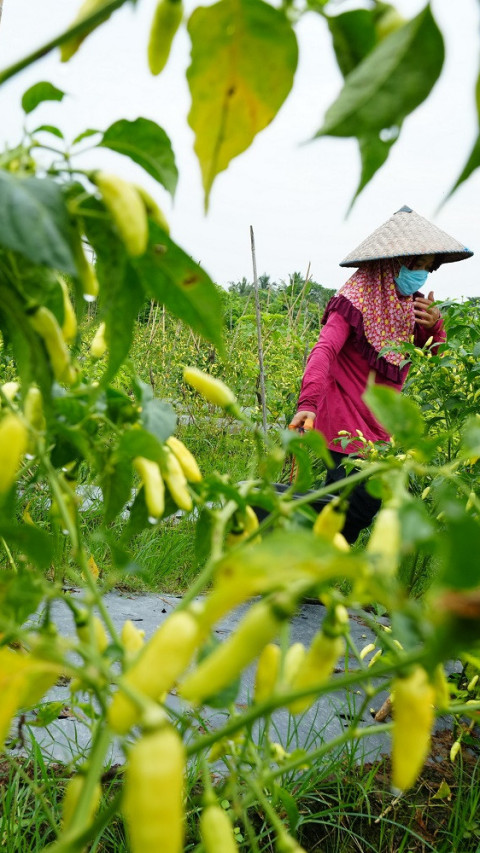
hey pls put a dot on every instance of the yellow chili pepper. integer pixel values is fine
(133, 639)
(158, 665)
(127, 209)
(244, 523)
(316, 667)
(71, 798)
(99, 633)
(166, 21)
(86, 273)
(413, 699)
(212, 389)
(267, 672)
(330, 521)
(33, 409)
(186, 459)
(13, 445)
(176, 480)
(293, 660)
(385, 541)
(46, 325)
(216, 830)
(10, 389)
(98, 346)
(153, 793)
(260, 625)
(153, 484)
(69, 326)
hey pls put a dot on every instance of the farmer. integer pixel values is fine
(380, 304)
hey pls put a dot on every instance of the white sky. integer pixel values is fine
(294, 195)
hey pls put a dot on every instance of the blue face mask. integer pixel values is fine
(408, 281)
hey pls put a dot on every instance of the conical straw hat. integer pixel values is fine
(406, 234)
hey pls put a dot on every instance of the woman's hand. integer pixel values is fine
(299, 421)
(426, 314)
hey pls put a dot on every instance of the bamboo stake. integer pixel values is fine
(259, 334)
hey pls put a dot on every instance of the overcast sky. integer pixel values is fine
(294, 195)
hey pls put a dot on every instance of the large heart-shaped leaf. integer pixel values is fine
(34, 221)
(244, 56)
(392, 80)
(148, 145)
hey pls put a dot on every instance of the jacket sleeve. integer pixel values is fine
(437, 332)
(314, 384)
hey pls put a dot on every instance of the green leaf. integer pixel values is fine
(35, 544)
(471, 165)
(116, 483)
(138, 442)
(120, 288)
(34, 221)
(159, 418)
(46, 714)
(85, 134)
(473, 161)
(20, 595)
(171, 277)
(393, 79)
(460, 569)
(244, 56)
(398, 414)
(374, 153)
(146, 144)
(38, 93)
(471, 438)
(353, 35)
(49, 128)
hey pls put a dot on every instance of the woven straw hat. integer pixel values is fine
(406, 234)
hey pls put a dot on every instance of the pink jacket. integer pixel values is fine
(336, 377)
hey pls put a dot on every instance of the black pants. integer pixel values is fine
(361, 506)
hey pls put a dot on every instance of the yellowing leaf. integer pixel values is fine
(93, 568)
(244, 56)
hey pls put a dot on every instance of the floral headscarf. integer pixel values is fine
(369, 301)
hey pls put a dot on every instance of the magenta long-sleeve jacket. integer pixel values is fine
(336, 377)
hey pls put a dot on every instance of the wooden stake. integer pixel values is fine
(259, 334)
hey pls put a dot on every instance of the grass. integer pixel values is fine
(340, 804)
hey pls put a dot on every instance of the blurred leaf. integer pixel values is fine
(471, 438)
(244, 56)
(117, 483)
(289, 803)
(20, 593)
(374, 153)
(49, 128)
(417, 526)
(85, 135)
(460, 567)
(473, 161)
(159, 418)
(34, 221)
(353, 35)
(138, 442)
(398, 414)
(121, 293)
(38, 93)
(146, 144)
(393, 79)
(203, 535)
(172, 278)
(46, 714)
